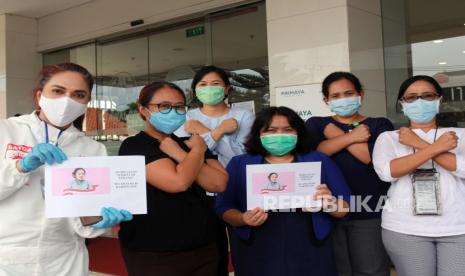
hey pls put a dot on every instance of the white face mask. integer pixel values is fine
(61, 111)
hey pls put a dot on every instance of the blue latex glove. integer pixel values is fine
(41, 154)
(112, 217)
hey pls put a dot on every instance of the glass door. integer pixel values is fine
(122, 71)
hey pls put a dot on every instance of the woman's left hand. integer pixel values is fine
(324, 193)
(112, 217)
(172, 149)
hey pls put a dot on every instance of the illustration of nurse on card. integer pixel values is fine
(79, 182)
(273, 183)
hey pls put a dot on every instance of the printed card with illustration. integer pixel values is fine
(81, 186)
(283, 186)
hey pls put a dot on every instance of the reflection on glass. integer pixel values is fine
(444, 60)
(122, 69)
(240, 46)
(83, 55)
(176, 54)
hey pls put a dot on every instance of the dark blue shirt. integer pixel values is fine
(288, 243)
(361, 178)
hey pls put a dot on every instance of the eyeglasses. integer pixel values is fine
(166, 107)
(427, 96)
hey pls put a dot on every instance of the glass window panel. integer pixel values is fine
(239, 44)
(56, 57)
(426, 38)
(234, 39)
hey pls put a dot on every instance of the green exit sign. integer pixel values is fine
(200, 30)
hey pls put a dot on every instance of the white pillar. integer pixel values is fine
(19, 64)
(307, 40)
(2, 67)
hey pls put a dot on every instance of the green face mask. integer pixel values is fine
(210, 94)
(279, 144)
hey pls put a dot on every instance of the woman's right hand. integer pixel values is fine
(409, 138)
(195, 127)
(360, 134)
(255, 217)
(331, 131)
(229, 126)
(41, 154)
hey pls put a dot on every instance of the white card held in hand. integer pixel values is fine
(283, 186)
(82, 186)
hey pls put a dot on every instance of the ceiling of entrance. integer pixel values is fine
(38, 8)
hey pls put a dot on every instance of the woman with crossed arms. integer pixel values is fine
(423, 222)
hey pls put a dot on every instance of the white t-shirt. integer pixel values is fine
(398, 213)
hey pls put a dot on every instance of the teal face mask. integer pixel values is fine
(421, 111)
(210, 94)
(279, 144)
(346, 106)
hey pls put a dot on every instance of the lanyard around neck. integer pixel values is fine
(46, 134)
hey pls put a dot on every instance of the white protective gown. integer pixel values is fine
(30, 244)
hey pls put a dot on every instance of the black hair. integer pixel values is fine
(205, 70)
(406, 84)
(263, 120)
(148, 91)
(340, 75)
(270, 174)
(78, 169)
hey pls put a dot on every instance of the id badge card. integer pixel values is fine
(426, 194)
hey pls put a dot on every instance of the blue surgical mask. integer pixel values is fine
(167, 122)
(346, 106)
(421, 111)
